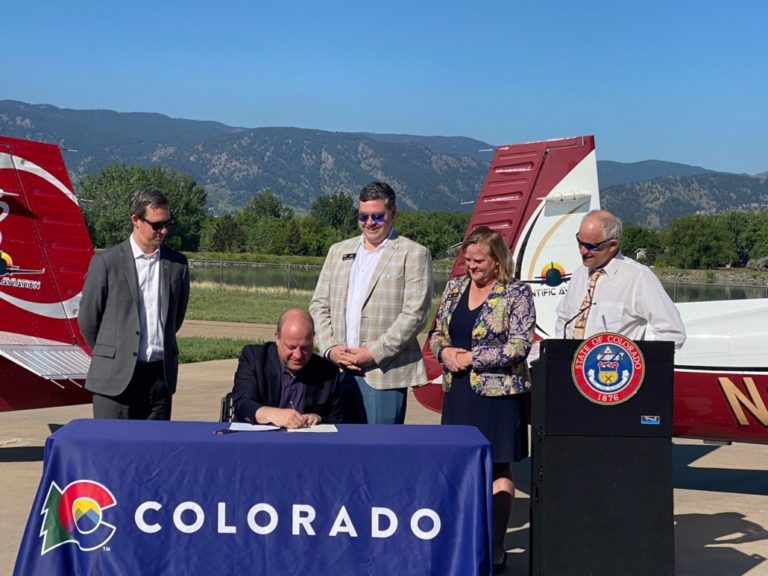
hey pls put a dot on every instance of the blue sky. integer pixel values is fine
(676, 80)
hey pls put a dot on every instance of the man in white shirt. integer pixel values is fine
(613, 293)
(371, 301)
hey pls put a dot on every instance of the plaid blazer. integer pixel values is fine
(394, 312)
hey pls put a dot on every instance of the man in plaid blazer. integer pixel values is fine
(371, 301)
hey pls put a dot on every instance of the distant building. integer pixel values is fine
(640, 254)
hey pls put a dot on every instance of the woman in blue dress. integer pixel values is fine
(483, 332)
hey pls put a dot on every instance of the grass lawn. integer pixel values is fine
(221, 302)
(211, 301)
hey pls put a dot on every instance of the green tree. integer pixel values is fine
(263, 220)
(438, 231)
(287, 238)
(223, 234)
(187, 201)
(105, 202)
(336, 211)
(105, 199)
(635, 238)
(266, 204)
(753, 233)
(698, 242)
(746, 231)
(317, 238)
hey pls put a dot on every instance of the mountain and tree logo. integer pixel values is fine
(76, 515)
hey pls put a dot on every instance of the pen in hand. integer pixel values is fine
(305, 425)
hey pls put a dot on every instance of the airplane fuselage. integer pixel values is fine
(721, 405)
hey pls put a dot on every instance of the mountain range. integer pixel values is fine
(428, 172)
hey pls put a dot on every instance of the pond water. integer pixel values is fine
(297, 277)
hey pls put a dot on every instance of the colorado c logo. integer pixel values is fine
(608, 368)
(75, 515)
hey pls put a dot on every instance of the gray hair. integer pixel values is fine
(611, 224)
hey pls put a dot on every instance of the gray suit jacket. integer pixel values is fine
(109, 316)
(394, 312)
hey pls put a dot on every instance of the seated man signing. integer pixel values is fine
(283, 382)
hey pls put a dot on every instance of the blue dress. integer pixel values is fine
(502, 419)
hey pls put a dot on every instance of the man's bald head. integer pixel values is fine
(599, 236)
(294, 334)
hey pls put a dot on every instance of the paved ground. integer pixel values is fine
(721, 493)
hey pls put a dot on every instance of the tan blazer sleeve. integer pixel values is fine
(328, 304)
(399, 304)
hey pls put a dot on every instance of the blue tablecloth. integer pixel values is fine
(135, 497)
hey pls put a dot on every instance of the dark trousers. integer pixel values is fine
(146, 397)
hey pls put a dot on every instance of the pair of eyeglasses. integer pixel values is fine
(590, 246)
(159, 225)
(377, 217)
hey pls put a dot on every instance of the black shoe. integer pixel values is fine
(501, 566)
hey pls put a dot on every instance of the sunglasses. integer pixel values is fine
(590, 246)
(157, 226)
(377, 217)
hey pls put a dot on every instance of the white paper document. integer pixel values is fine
(243, 427)
(317, 428)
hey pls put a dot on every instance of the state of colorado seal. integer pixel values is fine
(608, 368)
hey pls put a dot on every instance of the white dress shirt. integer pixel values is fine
(628, 299)
(151, 337)
(359, 280)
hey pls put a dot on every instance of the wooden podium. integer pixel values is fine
(601, 502)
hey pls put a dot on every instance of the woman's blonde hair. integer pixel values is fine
(505, 265)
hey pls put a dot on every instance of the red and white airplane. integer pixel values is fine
(535, 195)
(44, 254)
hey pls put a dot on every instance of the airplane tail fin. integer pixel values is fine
(44, 241)
(44, 254)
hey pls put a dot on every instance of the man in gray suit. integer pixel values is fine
(371, 301)
(134, 300)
